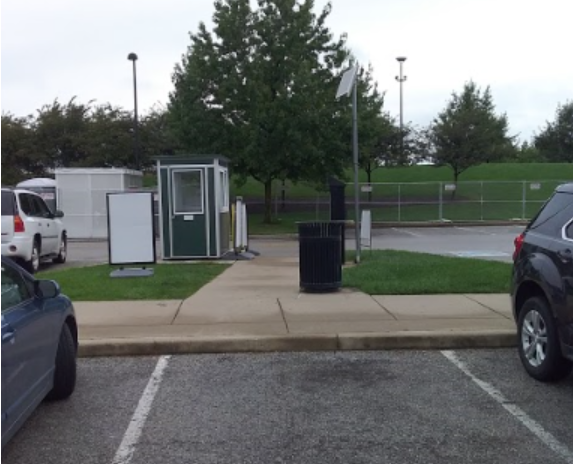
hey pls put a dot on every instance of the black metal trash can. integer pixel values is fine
(320, 255)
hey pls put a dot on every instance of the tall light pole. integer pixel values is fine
(133, 58)
(401, 78)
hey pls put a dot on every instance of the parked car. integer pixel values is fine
(31, 232)
(542, 289)
(39, 345)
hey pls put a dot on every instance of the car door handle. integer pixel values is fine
(566, 255)
(8, 336)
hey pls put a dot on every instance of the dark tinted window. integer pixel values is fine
(27, 204)
(14, 289)
(7, 203)
(40, 206)
(554, 214)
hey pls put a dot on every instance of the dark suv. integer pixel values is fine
(542, 289)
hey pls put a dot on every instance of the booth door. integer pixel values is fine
(189, 211)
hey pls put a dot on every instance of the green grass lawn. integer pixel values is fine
(170, 281)
(425, 174)
(418, 174)
(387, 272)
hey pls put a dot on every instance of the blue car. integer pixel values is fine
(39, 345)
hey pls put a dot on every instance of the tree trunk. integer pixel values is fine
(283, 196)
(369, 178)
(456, 176)
(268, 202)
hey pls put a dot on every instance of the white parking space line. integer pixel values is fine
(541, 433)
(126, 449)
(407, 232)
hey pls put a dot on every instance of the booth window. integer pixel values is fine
(224, 186)
(188, 192)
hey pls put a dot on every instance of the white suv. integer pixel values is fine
(30, 230)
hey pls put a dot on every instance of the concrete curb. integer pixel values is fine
(299, 343)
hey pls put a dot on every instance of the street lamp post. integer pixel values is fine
(133, 58)
(401, 78)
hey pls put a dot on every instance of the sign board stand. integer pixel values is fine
(348, 85)
(240, 233)
(131, 233)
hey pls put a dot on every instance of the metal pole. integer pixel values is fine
(401, 113)
(401, 78)
(356, 165)
(135, 117)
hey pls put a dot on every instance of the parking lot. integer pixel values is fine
(404, 407)
(488, 242)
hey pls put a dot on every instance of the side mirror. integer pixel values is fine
(59, 214)
(46, 289)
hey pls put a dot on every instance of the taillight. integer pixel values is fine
(518, 243)
(18, 224)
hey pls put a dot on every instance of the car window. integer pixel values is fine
(553, 215)
(7, 203)
(27, 204)
(14, 289)
(41, 207)
(569, 230)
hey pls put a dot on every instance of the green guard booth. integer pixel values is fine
(194, 208)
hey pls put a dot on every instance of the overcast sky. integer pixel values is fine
(521, 48)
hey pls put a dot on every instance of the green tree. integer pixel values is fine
(555, 141)
(376, 129)
(107, 139)
(19, 156)
(157, 137)
(260, 89)
(60, 131)
(468, 131)
(527, 153)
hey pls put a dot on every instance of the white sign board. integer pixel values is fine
(450, 187)
(347, 81)
(366, 188)
(535, 186)
(366, 228)
(130, 232)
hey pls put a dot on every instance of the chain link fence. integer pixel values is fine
(422, 202)
(464, 201)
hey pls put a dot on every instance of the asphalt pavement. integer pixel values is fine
(350, 407)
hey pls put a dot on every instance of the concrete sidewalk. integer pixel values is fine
(256, 306)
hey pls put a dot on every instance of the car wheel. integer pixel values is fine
(539, 346)
(63, 252)
(33, 265)
(65, 372)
